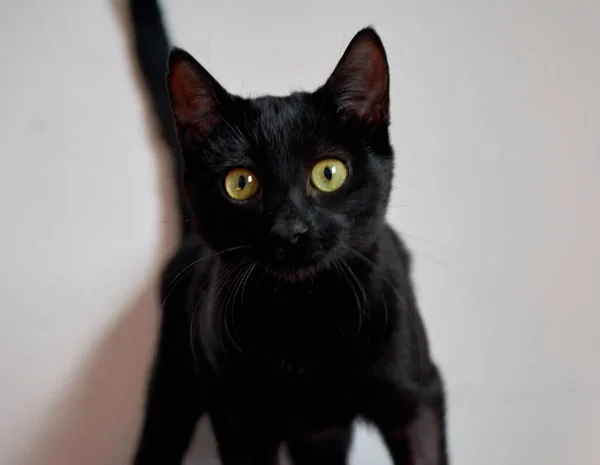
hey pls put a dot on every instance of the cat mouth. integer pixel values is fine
(295, 273)
(294, 264)
(292, 267)
(298, 269)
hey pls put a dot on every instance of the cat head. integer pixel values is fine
(294, 181)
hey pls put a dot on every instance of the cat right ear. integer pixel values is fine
(360, 82)
(195, 95)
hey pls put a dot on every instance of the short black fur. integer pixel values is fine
(288, 315)
(151, 48)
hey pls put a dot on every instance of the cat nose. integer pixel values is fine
(289, 231)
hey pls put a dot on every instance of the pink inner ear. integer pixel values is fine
(191, 97)
(361, 81)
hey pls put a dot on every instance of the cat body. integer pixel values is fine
(288, 311)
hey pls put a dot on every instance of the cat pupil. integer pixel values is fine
(241, 182)
(327, 172)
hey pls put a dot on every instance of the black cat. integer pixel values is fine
(288, 311)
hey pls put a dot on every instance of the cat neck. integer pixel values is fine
(337, 313)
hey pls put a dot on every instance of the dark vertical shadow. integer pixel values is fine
(203, 448)
(97, 420)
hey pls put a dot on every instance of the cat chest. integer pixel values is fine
(292, 394)
(288, 332)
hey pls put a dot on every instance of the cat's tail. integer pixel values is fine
(151, 47)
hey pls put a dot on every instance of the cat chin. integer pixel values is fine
(296, 274)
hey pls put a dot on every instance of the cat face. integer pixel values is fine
(296, 181)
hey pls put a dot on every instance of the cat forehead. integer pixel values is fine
(283, 131)
(280, 117)
(277, 133)
(282, 104)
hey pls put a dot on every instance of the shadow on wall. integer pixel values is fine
(97, 421)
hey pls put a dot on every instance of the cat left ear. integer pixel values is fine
(360, 81)
(195, 95)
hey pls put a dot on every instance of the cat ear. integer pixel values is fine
(360, 81)
(195, 95)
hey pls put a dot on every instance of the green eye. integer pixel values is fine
(241, 184)
(329, 175)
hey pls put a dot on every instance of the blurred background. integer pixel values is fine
(496, 124)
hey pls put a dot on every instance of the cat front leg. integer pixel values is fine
(175, 400)
(240, 440)
(330, 446)
(412, 422)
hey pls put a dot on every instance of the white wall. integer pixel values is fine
(496, 115)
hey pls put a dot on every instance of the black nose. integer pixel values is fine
(290, 231)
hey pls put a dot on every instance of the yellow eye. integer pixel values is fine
(329, 175)
(241, 184)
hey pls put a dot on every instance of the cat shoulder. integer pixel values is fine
(179, 272)
(392, 243)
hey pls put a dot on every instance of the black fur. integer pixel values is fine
(289, 315)
(151, 48)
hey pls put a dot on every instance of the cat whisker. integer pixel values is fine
(414, 319)
(435, 260)
(224, 306)
(365, 301)
(427, 241)
(225, 302)
(179, 276)
(373, 266)
(240, 284)
(201, 299)
(337, 264)
(246, 280)
(228, 269)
